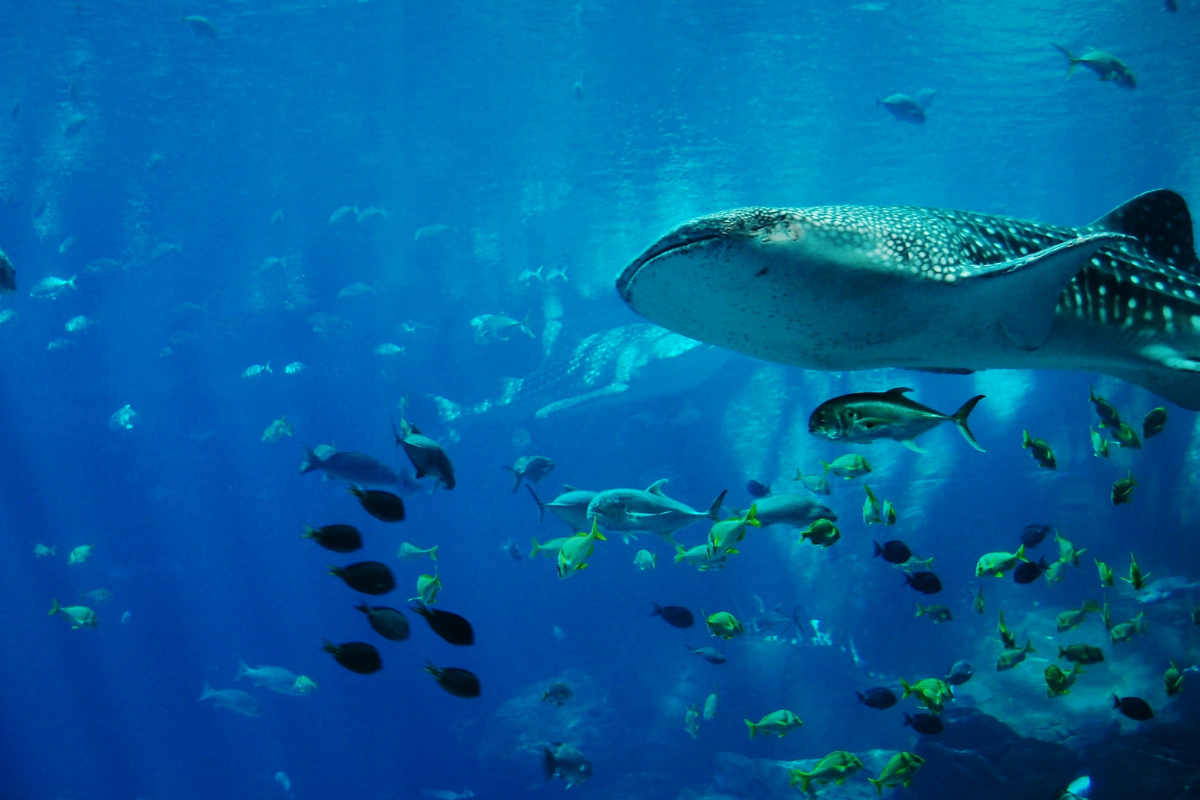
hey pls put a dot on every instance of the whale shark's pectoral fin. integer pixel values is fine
(1025, 291)
(569, 402)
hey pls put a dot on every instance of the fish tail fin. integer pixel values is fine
(753, 728)
(657, 612)
(54, 607)
(433, 552)
(243, 670)
(801, 777)
(921, 610)
(537, 547)
(1070, 58)
(960, 421)
(679, 553)
(1092, 606)
(541, 506)
(714, 510)
(908, 690)
(823, 464)
(310, 461)
(206, 692)
(549, 764)
(877, 783)
(1116, 701)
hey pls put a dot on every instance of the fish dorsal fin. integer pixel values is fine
(568, 488)
(1161, 223)
(656, 488)
(899, 391)
(414, 429)
(1023, 293)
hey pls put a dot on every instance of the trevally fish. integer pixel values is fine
(863, 417)
(647, 510)
(859, 287)
(630, 363)
(791, 509)
(347, 465)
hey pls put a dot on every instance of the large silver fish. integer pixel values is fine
(630, 363)
(859, 287)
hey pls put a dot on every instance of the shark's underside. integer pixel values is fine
(859, 287)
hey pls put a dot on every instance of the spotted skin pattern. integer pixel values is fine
(1128, 302)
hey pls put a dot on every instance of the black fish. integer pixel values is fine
(458, 682)
(1033, 535)
(1154, 422)
(676, 616)
(880, 697)
(368, 577)
(756, 489)
(448, 625)
(8, 275)
(928, 724)
(426, 455)
(338, 538)
(924, 582)
(1028, 572)
(1133, 707)
(357, 657)
(383, 506)
(387, 622)
(893, 552)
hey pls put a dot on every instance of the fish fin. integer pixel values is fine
(310, 461)
(560, 405)
(541, 506)
(1025, 291)
(1070, 58)
(714, 510)
(569, 488)
(656, 487)
(911, 445)
(1161, 223)
(960, 421)
(243, 670)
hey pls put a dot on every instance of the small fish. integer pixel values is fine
(510, 547)
(1106, 573)
(1066, 551)
(726, 533)
(710, 654)
(76, 616)
(235, 700)
(355, 289)
(201, 26)
(81, 554)
(1109, 418)
(711, 704)
(1058, 682)
(567, 762)
(357, 657)
(1135, 708)
(691, 721)
(645, 560)
(557, 694)
(872, 512)
(8, 276)
(822, 533)
(1136, 579)
(1126, 436)
(835, 767)
(1027, 571)
(999, 562)
(450, 626)
(429, 231)
(893, 552)
(1081, 654)
(757, 489)
(389, 349)
(255, 370)
(7, 315)
(817, 484)
(777, 722)
(1007, 638)
(383, 506)
(925, 724)
(65, 245)
(529, 468)
(428, 587)
(368, 577)
(294, 368)
(96, 595)
(1010, 658)
(959, 673)
(879, 698)
(60, 344)
(277, 430)
(410, 552)
(41, 550)
(914, 565)
(1041, 451)
(930, 692)
(905, 108)
(675, 616)
(1173, 680)
(937, 613)
(389, 623)
(1125, 631)
(356, 468)
(576, 550)
(491, 328)
(80, 323)
(284, 781)
(1106, 66)
(1122, 490)
(456, 681)
(126, 617)
(1099, 444)
(723, 624)
(1070, 619)
(557, 272)
(1033, 535)
(51, 287)
(1154, 422)
(427, 456)
(977, 601)
(338, 538)
(849, 466)
(898, 771)
(924, 582)
(369, 213)
(74, 124)
(863, 417)
(529, 274)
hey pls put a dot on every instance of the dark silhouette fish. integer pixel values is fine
(676, 616)
(857, 287)
(8, 275)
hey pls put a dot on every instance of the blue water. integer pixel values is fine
(564, 135)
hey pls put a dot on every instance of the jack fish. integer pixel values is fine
(859, 287)
(649, 510)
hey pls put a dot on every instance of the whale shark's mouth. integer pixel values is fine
(677, 242)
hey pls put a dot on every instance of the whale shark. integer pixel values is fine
(628, 363)
(862, 287)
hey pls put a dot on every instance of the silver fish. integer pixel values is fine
(647, 510)
(863, 417)
(858, 287)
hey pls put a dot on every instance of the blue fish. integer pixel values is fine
(357, 468)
